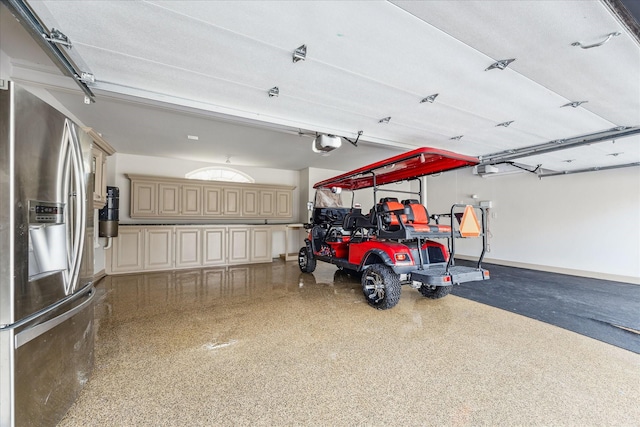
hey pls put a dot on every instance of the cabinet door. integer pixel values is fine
(158, 248)
(143, 199)
(267, 203)
(284, 206)
(261, 244)
(191, 200)
(250, 202)
(168, 199)
(127, 250)
(238, 247)
(188, 247)
(98, 169)
(232, 202)
(212, 201)
(215, 246)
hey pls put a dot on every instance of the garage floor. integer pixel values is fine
(267, 345)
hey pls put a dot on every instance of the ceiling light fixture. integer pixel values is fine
(607, 38)
(385, 120)
(574, 104)
(429, 98)
(274, 91)
(300, 54)
(192, 137)
(457, 138)
(500, 65)
(324, 144)
(505, 124)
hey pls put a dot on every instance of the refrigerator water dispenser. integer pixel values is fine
(47, 239)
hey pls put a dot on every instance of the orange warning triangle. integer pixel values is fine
(469, 225)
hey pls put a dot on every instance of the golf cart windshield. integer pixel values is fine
(330, 198)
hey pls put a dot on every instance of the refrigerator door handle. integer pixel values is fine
(27, 335)
(76, 216)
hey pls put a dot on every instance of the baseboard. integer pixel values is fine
(99, 275)
(561, 270)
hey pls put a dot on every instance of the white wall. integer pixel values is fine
(585, 224)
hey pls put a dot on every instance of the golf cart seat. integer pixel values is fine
(355, 220)
(408, 220)
(419, 218)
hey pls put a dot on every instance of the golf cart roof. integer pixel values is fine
(410, 165)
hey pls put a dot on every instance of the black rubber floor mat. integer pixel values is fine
(603, 310)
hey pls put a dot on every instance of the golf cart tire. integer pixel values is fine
(306, 262)
(381, 286)
(438, 292)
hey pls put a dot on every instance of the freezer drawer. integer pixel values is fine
(54, 359)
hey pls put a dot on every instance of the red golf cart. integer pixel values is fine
(395, 242)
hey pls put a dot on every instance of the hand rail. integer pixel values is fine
(608, 37)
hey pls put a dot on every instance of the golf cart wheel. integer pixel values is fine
(306, 262)
(381, 286)
(435, 292)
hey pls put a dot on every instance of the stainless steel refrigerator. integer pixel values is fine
(46, 261)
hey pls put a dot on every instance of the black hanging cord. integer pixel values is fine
(524, 169)
(354, 142)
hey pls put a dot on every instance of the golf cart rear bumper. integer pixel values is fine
(457, 274)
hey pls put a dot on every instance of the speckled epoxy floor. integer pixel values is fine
(267, 345)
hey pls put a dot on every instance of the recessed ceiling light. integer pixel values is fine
(429, 98)
(192, 137)
(574, 104)
(501, 64)
(505, 124)
(300, 54)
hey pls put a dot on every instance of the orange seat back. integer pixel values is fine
(420, 215)
(394, 206)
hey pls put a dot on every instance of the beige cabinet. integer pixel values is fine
(168, 199)
(238, 250)
(214, 240)
(250, 203)
(155, 196)
(260, 244)
(191, 200)
(211, 200)
(99, 169)
(284, 204)
(158, 248)
(267, 203)
(232, 202)
(143, 199)
(188, 247)
(100, 150)
(127, 250)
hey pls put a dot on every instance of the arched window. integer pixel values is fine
(216, 173)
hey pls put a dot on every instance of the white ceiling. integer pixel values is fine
(168, 69)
